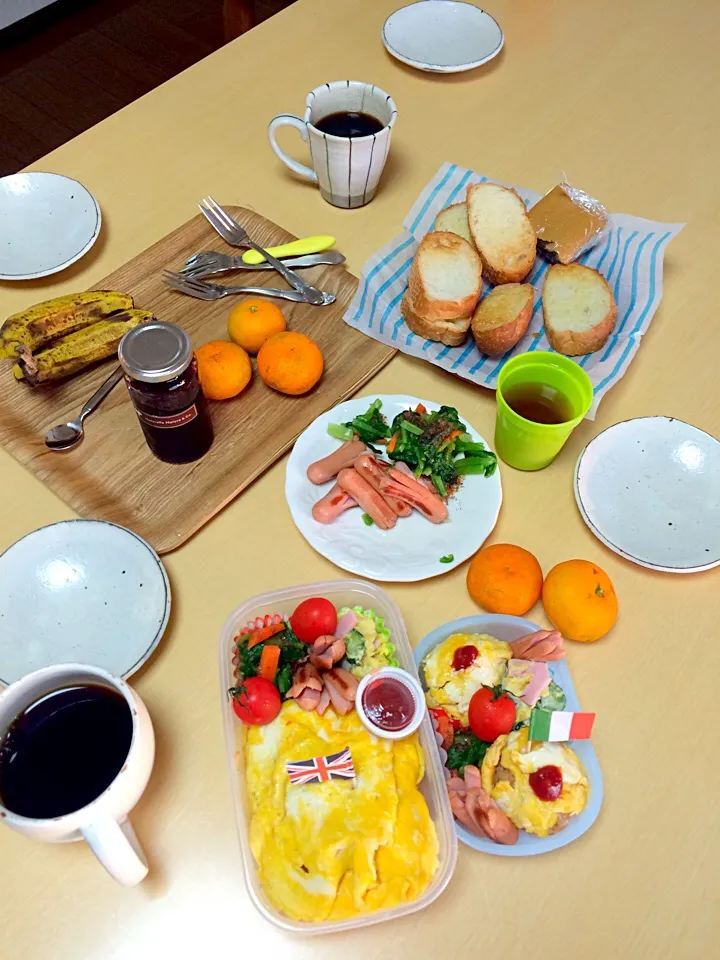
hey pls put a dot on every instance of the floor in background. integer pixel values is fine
(73, 64)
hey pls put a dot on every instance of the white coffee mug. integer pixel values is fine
(346, 170)
(103, 823)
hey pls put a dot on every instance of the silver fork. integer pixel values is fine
(232, 233)
(214, 291)
(208, 262)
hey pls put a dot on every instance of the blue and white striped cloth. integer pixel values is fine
(631, 259)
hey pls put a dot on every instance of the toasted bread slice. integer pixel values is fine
(502, 317)
(445, 277)
(454, 219)
(502, 232)
(450, 332)
(579, 309)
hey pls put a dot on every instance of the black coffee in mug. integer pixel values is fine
(349, 125)
(64, 750)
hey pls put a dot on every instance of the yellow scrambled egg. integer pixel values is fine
(328, 851)
(452, 689)
(517, 798)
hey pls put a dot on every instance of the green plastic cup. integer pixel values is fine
(522, 443)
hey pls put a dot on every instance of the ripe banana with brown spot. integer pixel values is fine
(33, 329)
(78, 350)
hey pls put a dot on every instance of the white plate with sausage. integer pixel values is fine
(414, 548)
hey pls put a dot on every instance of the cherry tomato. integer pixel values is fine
(489, 715)
(313, 618)
(464, 657)
(547, 782)
(256, 701)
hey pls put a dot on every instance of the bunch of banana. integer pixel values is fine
(60, 337)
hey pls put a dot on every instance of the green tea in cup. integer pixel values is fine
(541, 398)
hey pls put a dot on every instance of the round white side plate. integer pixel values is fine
(47, 222)
(650, 490)
(81, 591)
(442, 36)
(413, 548)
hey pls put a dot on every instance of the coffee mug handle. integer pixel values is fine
(287, 119)
(117, 848)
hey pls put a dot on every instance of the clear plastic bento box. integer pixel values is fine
(342, 593)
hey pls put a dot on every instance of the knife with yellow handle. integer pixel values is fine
(296, 248)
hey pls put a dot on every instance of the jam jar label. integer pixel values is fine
(171, 420)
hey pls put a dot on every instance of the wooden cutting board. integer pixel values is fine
(112, 475)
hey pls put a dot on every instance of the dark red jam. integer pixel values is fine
(174, 416)
(547, 782)
(464, 657)
(388, 704)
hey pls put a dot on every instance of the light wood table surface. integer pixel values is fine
(622, 99)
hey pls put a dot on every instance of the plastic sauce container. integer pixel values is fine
(390, 703)
(343, 593)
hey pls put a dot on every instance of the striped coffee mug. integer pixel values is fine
(347, 169)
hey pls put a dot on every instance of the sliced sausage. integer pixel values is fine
(371, 471)
(425, 481)
(414, 493)
(323, 470)
(326, 651)
(542, 645)
(345, 681)
(370, 500)
(341, 703)
(324, 701)
(306, 677)
(332, 505)
(309, 699)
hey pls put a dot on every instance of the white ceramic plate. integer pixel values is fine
(47, 222)
(413, 548)
(81, 591)
(650, 490)
(442, 36)
(510, 628)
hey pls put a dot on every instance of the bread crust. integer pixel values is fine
(497, 329)
(450, 332)
(428, 307)
(508, 262)
(578, 343)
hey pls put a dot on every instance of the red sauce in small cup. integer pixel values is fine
(388, 703)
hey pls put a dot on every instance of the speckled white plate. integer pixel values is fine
(413, 548)
(650, 490)
(81, 591)
(47, 222)
(442, 36)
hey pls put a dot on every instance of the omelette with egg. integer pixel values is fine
(507, 777)
(452, 688)
(329, 851)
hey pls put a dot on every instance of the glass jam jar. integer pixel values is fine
(162, 380)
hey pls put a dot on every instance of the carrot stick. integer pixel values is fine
(421, 409)
(264, 634)
(269, 659)
(452, 436)
(393, 442)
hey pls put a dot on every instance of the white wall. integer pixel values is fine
(12, 10)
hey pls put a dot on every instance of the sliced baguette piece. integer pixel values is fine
(454, 219)
(445, 277)
(502, 232)
(502, 317)
(450, 332)
(579, 309)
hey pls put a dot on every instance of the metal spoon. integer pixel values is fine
(66, 435)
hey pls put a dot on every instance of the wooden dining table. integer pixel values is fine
(619, 98)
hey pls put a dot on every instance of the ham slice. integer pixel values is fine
(537, 675)
(345, 624)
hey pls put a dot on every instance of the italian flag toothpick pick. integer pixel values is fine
(560, 725)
